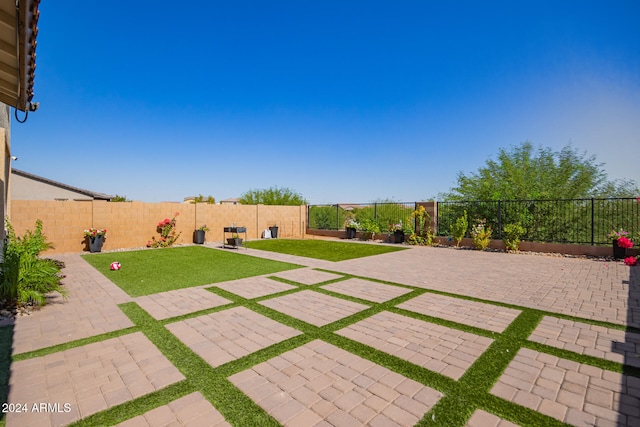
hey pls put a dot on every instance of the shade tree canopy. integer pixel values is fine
(273, 196)
(527, 173)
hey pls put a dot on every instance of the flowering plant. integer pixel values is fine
(481, 234)
(167, 230)
(631, 261)
(624, 242)
(351, 223)
(93, 232)
(395, 227)
(615, 235)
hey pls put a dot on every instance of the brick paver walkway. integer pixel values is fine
(229, 334)
(89, 310)
(312, 307)
(444, 350)
(318, 383)
(578, 394)
(592, 340)
(367, 290)
(484, 419)
(254, 287)
(89, 379)
(578, 287)
(189, 411)
(307, 276)
(472, 313)
(182, 301)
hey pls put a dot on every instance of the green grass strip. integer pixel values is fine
(136, 407)
(147, 272)
(321, 249)
(73, 344)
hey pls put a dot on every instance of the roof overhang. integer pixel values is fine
(18, 33)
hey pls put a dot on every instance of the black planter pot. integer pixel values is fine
(95, 243)
(351, 233)
(274, 232)
(618, 252)
(198, 237)
(398, 236)
(234, 241)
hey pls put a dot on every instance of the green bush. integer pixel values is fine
(459, 228)
(25, 278)
(481, 234)
(369, 226)
(424, 235)
(512, 234)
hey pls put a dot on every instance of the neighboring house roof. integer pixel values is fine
(232, 200)
(350, 206)
(92, 194)
(18, 33)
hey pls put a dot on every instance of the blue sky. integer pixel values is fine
(342, 101)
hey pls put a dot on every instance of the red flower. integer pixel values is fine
(631, 261)
(624, 242)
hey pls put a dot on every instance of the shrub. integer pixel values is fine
(425, 235)
(481, 234)
(369, 226)
(25, 277)
(512, 234)
(459, 228)
(167, 230)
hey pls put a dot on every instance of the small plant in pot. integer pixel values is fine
(351, 226)
(95, 237)
(397, 231)
(369, 228)
(199, 234)
(234, 240)
(621, 242)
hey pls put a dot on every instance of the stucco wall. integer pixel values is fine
(5, 163)
(132, 224)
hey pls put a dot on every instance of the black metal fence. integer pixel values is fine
(581, 221)
(334, 217)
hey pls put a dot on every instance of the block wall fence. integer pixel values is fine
(133, 224)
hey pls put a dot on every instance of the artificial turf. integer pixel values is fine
(150, 271)
(321, 249)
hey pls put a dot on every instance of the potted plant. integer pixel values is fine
(95, 237)
(351, 227)
(398, 232)
(234, 240)
(369, 228)
(620, 242)
(199, 234)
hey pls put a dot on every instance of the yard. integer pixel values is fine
(350, 345)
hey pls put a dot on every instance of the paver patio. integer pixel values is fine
(437, 348)
(306, 380)
(320, 384)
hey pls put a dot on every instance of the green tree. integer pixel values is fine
(526, 173)
(118, 198)
(273, 196)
